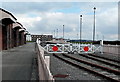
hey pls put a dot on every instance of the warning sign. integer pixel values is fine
(55, 48)
(86, 48)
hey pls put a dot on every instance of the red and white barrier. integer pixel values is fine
(65, 48)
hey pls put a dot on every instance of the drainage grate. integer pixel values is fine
(60, 75)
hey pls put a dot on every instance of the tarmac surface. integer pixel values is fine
(17, 63)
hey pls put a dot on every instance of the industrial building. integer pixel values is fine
(12, 33)
(42, 37)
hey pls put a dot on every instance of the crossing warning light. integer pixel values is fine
(86, 48)
(55, 48)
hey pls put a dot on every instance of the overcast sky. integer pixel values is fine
(45, 17)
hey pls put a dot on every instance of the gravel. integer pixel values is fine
(60, 67)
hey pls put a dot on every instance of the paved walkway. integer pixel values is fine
(17, 63)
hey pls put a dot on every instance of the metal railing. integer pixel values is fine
(43, 64)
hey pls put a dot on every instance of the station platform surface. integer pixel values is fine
(17, 63)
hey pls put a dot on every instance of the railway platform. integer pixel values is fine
(17, 63)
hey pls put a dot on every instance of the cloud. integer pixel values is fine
(43, 18)
(108, 20)
(113, 36)
(27, 7)
(61, 1)
(52, 21)
(28, 22)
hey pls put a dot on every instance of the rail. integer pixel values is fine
(102, 71)
(43, 64)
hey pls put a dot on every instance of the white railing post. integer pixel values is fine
(63, 48)
(47, 47)
(39, 41)
(47, 60)
(70, 47)
(101, 43)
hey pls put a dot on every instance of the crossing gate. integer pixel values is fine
(58, 48)
(72, 48)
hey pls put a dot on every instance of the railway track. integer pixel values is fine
(102, 71)
(104, 58)
(113, 63)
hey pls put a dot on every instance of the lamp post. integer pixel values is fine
(77, 37)
(97, 37)
(94, 26)
(103, 37)
(54, 33)
(63, 32)
(80, 29)
(57, 33)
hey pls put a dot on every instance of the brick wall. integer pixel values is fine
(0, 37)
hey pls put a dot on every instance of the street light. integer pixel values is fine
(77, 37)
(80, 29)
(94, 26)
(63, 32)
(54, 33)
(103, 37)
(57, 33)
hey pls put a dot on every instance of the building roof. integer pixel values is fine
(16, 25)
(8, 13)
